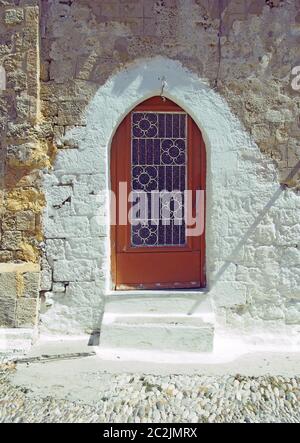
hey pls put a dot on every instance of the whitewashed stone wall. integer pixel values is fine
(253, 226)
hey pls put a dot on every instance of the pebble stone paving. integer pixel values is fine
(135, 398)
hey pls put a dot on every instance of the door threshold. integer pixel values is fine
(158, 292)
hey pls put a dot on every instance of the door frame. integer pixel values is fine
(167, 105)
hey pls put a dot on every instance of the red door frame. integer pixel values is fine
(121, 165)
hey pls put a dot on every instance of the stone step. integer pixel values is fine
(158, 302)
(158, 320)
(17, 340)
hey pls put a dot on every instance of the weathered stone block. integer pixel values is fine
(86, 294)
(17, 281)
(7, 311)
(11, 240)
(25, 221)
(57, 196)
(28, 154)
(9, 223)
(46, 279)
(91, 205)
(98, 226)
(27, 312)
(6, 256)
(89, 248)
(163, 333)
(49, 109)
(74, 270)
(68, 227)
(80, 162)
(55, 249)
(73, 319)
(229, 294)
(13, 16)
(25, 199)
(28, 253)
(71, 113)
(8, 285)
(31, 285)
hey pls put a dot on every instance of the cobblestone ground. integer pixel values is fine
(168, 399)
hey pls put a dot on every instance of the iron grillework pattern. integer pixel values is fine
(159, 164)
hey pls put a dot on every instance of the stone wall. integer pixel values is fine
(24, 151)
(242, 51)
(245, 52)
(245, 49)
(19, 295)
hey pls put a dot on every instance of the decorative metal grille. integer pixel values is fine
(159, 166)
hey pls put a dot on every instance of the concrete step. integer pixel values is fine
(158, 320)
(16, 340)
(158, 302)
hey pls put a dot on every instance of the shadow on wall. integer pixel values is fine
(249, 232)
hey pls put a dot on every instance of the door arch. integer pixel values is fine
(157, 150)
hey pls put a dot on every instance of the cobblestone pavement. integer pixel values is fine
(135, 398)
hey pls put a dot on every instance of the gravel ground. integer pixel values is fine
(140, 398)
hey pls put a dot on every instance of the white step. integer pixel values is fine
(16, 340)
(158, 320)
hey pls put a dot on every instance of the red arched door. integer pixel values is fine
(158, 153)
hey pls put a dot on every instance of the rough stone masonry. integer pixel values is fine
(73, 70)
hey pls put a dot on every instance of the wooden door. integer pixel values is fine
(157, 149)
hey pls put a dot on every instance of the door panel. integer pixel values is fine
(172, 270)
(156, 150)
